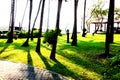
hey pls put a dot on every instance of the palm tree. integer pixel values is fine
(10, 36)
(109, 25)
(40, 28)
(83, 34)
(112, 21)
(53, 51)
(25, 44)
(74, 35)
(35, 19)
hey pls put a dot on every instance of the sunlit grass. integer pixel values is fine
(75, 62)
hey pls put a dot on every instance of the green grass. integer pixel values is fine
(80, 62)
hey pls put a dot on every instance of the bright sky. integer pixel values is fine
(67, 13)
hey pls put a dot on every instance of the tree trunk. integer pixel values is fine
(40, 28)
(112, 22)
(10, 36)
(83, 34)
(53, 51)
(74, 35)
(35, 19)
(25, 44)
(109, 24)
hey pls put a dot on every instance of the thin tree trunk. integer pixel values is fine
(35, 19)
(109, 24)
(40, 28)
(28, 36)
(83, 34)
(53, 51)
(112, 22)
(10, 37)
(74, 35)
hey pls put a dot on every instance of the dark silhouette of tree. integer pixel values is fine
(112, 21)
(10, 36)
(109, 25)
(48, 15)
(25, 44)
(74, 34)
(21, 23)
(35, 19)
(40, 28)
(53, 51)
(84, 30)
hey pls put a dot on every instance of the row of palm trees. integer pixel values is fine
(74, 34)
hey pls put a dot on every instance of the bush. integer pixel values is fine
(35, 33)
(49, 36)
(22, 34)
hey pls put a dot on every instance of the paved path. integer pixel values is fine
(16, 71)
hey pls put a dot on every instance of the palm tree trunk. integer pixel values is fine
(35, 19)
(109, 24)
(53, 51)
(112, 22)
(40, 28)
(25, 44)
(83, 34)
(74, 35)
(10, 36)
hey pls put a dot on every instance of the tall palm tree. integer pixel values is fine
(83, 34)
(25, 44)
(109, 25)
(48, 15)
(112, 21)
(53, 51)
(40, 28)
(10, 36)
(35, 19)
(74, 35)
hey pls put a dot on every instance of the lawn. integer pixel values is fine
(76, 62)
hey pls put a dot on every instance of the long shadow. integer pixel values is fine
(86, 48)
(31, 73)
(4, 48)
(59, 68)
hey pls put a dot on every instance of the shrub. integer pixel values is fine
(49, 36)
(35, 33)
(22, 34)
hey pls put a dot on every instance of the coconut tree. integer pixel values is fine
(74, 35)
(110, 24)
(35, 19)
(25, 44)
(40, 28)
(53, 51)
(10, 36)
(84, 30)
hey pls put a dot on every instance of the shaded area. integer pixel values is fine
(30, 69)
(62, 69)
(5, 47)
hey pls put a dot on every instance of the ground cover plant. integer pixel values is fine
(76, 62)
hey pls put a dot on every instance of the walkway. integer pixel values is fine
(16, 71)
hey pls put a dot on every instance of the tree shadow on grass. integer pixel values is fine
(4, 48)
(59, 68)
(80, 55)
(31, 73)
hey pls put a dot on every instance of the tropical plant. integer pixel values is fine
(110, 25)
(25, 44)
(40, 28)
(10, 37)
(74, 35)
(35, 19)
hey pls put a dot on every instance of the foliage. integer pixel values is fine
(35, 33)
(49, 36)
(22, 34)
